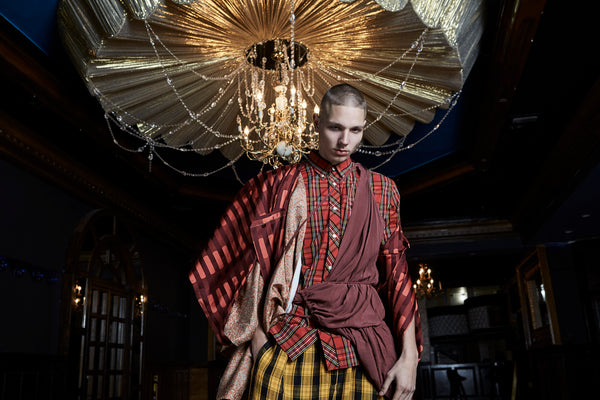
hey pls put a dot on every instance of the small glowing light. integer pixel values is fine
(424, 284)
(462, 294)
(543, 292)
(78, 299)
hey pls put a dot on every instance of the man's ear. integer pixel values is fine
(316, 121)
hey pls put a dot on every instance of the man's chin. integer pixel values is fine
(335, 160)
(334, 157)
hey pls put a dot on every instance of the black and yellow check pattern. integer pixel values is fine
(276, 377)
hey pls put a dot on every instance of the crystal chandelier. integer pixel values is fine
(424, 285)
(284, 134)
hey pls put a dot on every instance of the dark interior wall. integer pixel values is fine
(176, 330)
(36, 221)
(586, 260)
(569, 299)
(565, 371)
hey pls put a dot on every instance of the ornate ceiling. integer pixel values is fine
(526, 127)
(175, 74)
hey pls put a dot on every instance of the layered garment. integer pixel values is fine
(244, 276)
(348, 302)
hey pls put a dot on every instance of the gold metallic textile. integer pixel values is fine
(172, 71)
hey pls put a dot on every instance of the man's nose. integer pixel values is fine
(343, 138)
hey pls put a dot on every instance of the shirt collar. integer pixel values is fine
(323, 165)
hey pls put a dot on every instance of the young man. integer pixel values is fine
(293, 280)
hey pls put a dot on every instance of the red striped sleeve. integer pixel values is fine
(396, 279)
(246, 234)
(218, 273)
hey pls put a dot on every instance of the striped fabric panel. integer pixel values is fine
(398, 287)
(253, 221)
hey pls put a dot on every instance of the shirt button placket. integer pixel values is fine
(334, 228)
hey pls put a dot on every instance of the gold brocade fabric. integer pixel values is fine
(246, 313)
(174, 69)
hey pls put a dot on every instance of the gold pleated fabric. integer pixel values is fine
(173, 70)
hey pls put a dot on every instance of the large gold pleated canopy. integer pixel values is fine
(173, 72)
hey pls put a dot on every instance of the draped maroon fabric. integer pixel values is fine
(348, 302)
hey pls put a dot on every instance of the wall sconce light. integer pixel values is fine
(78, 295)
(140, 300)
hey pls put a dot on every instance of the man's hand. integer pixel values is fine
(258, 341)
(404, 375)
(404, 371)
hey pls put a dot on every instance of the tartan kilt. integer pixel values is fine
(276, 377)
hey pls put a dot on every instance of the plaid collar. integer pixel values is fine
(324, 166)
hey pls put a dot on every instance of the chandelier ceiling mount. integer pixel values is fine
(268, 54)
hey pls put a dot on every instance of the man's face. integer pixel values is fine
(340, 132)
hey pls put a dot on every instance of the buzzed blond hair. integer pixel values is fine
(342, 95)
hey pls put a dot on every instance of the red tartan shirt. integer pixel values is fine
(330, 195)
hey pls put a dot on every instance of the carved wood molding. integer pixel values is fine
(447, 231)
(26, 149)
(432, 177)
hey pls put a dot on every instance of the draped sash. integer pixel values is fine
(348, 303)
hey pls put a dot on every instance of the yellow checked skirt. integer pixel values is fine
(276, 377)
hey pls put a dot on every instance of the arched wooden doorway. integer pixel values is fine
(103, 310)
